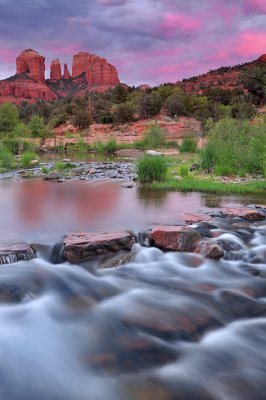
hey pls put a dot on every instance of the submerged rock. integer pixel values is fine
(80, 247)
(174, 238)
(244, 213)
(11, 253)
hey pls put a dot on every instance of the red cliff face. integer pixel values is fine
(55, 73)
(98, 71)
(32, 63)
(66, 72)
(262, 58)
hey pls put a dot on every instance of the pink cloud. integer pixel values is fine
(172, 23)
(251, 44)
(255, 6)
(8, 55)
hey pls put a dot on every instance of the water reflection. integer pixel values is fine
(38, 210)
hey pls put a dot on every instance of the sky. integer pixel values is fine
(149, 41)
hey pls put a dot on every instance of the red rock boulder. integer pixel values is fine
(80, 247)
(32, 63)
(196, 218)
(174, 238)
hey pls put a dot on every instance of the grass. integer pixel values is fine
(208, 186)
(151, 168)
(61, 166)
(7, 161)
(27, 158)
(188, 145)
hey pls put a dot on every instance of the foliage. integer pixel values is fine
(188, 145)
(111, 146)
(254, 79)
(177, 104)
(149, 105)
(7, 160)
(151, 168)
(81, 118)
(61, 166)
(26, 159)
(154, 137)
(235, 146)
(124, 112)
(183, 170)
(9, 117)
(37, 126)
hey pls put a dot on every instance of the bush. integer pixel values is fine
(151, 168)
(26, 159)
(188, 145)
(234, 147)
(154, 137)
(37, 126)
(183, 171)
(12, 145)
(111, 146)
(7, 160)
(9, 117)
(99, 146)
(149, 105)
(124, 112)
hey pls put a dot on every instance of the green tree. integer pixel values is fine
(149, 105)
(37, 126)
(120, 93)
(124, 112)
(177, 104)
(9, 117)
(254, 79)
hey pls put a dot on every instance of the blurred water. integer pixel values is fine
(166, 326)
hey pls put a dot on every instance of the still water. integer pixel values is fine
(43, 211)
(164, 327)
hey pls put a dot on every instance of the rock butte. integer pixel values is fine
(89, 72)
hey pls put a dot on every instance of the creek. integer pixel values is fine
(165, 326)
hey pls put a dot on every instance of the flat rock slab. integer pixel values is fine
(11, 253)
(174, 238)
(244, 213)
(80, 247)
(196, 218)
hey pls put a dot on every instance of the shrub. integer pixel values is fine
(99, 146)
(26, 159)
(9, 117)
(111, 146)
(7, 160)
(234, 147)
(124, 112)
(151, 168)
(188, 145)
(183, 171)
(149, 105)
(154, 137)
(37, 126)
(11, 144)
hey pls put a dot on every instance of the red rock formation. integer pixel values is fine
(66, 72)
(21, 87)
(262, 58)
(32, 63)
(98, 71)
(55, 73)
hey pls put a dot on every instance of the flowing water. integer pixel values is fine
(166, 326)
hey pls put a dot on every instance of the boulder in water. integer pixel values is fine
(174, 238)
(52, 175)
(244, 213)
(80, 247)
(11, 253)
(196, 218)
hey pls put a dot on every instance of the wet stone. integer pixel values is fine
(80, 247)
(243, 213)
(174, 238)
(11, 253)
